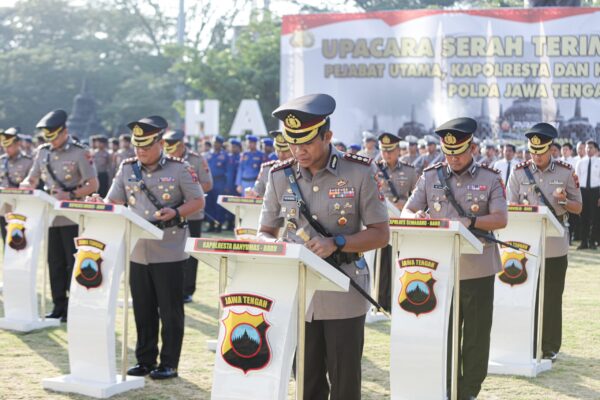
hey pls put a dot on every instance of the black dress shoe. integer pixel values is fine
(550, 355)
(187, 299)
(63, 317)
(55, 314)
(583, 246)
(163, 373)
(140, 370)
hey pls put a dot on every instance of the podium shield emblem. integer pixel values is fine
(417, 295)
(245, 345)
(15, 231)
(514, 270)
(88, 263)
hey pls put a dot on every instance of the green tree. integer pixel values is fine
(245, 66)
(48, 47)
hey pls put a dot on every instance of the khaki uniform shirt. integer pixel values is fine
(409, 159)
(426, 160)
(173, 182)
(122, 155)
(344, 197)
(103, 162)
(200, 166)
(16, 169)
(260, 186)
(479, 190)
(403, 177)
(71, 164)
(558, 174)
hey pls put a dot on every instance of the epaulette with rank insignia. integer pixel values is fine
(268, 163)
(523, 164)
(563, 164)
(406, 163)
(44, 146)
(282, 164)
(130, 160)
(193, 153)
(77, 144)
(357, 159)
(485, 166)
(434, 166)
(176, 159)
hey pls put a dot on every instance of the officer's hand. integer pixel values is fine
(559, 194)
(323, 247)
(421, 214)
(251, 193)
(94, 198)
(166, 214)
(239, 189)
(61, 194)
(25, 185)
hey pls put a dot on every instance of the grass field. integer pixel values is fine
(25, 359)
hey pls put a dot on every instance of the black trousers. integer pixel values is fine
(157, 293)
(333, 349)
(384, 298)
(554, 286)
(190, 269)
(61, 251)
(475, 326)
(589, 227)
(103, 183)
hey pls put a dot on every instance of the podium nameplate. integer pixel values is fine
(246, 211)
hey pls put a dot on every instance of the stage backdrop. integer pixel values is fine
(406, 71)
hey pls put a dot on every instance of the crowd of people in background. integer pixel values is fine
(235, 166)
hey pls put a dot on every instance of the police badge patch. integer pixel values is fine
(514, 271)
(88, 262)
(417, 295)
(15, 231)
(245, 345)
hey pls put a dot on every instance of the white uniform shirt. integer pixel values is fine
(582, 172)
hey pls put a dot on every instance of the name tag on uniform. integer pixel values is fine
(341, 193)
(438, 186)
(289, 197)
(555, 182)
(477, 187)
(166, 179)
(132, 180)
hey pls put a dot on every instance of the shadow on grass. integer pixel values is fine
(573, 370)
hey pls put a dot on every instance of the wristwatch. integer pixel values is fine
(340, 242)
(177, 215)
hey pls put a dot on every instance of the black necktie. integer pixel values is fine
(507, 172)
(588, 181)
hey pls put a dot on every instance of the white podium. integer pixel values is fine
(27, 231)
(511, 348)
(247, 213)
(260, 320)
(108, 232)
(425, 281)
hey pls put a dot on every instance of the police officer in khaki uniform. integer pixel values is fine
(14, 167)
(431, 155)
(125, 151)
(399, 179)
(413, 151)
(175, 147)
(68, 172)
(162, 190)
(103, 163)
(282, 150)
(478, 191)
(559, 186)
(341, 193)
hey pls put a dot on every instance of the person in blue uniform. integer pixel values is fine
(218, 162)
(249, 165)
(235, 154)
(268, 149)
